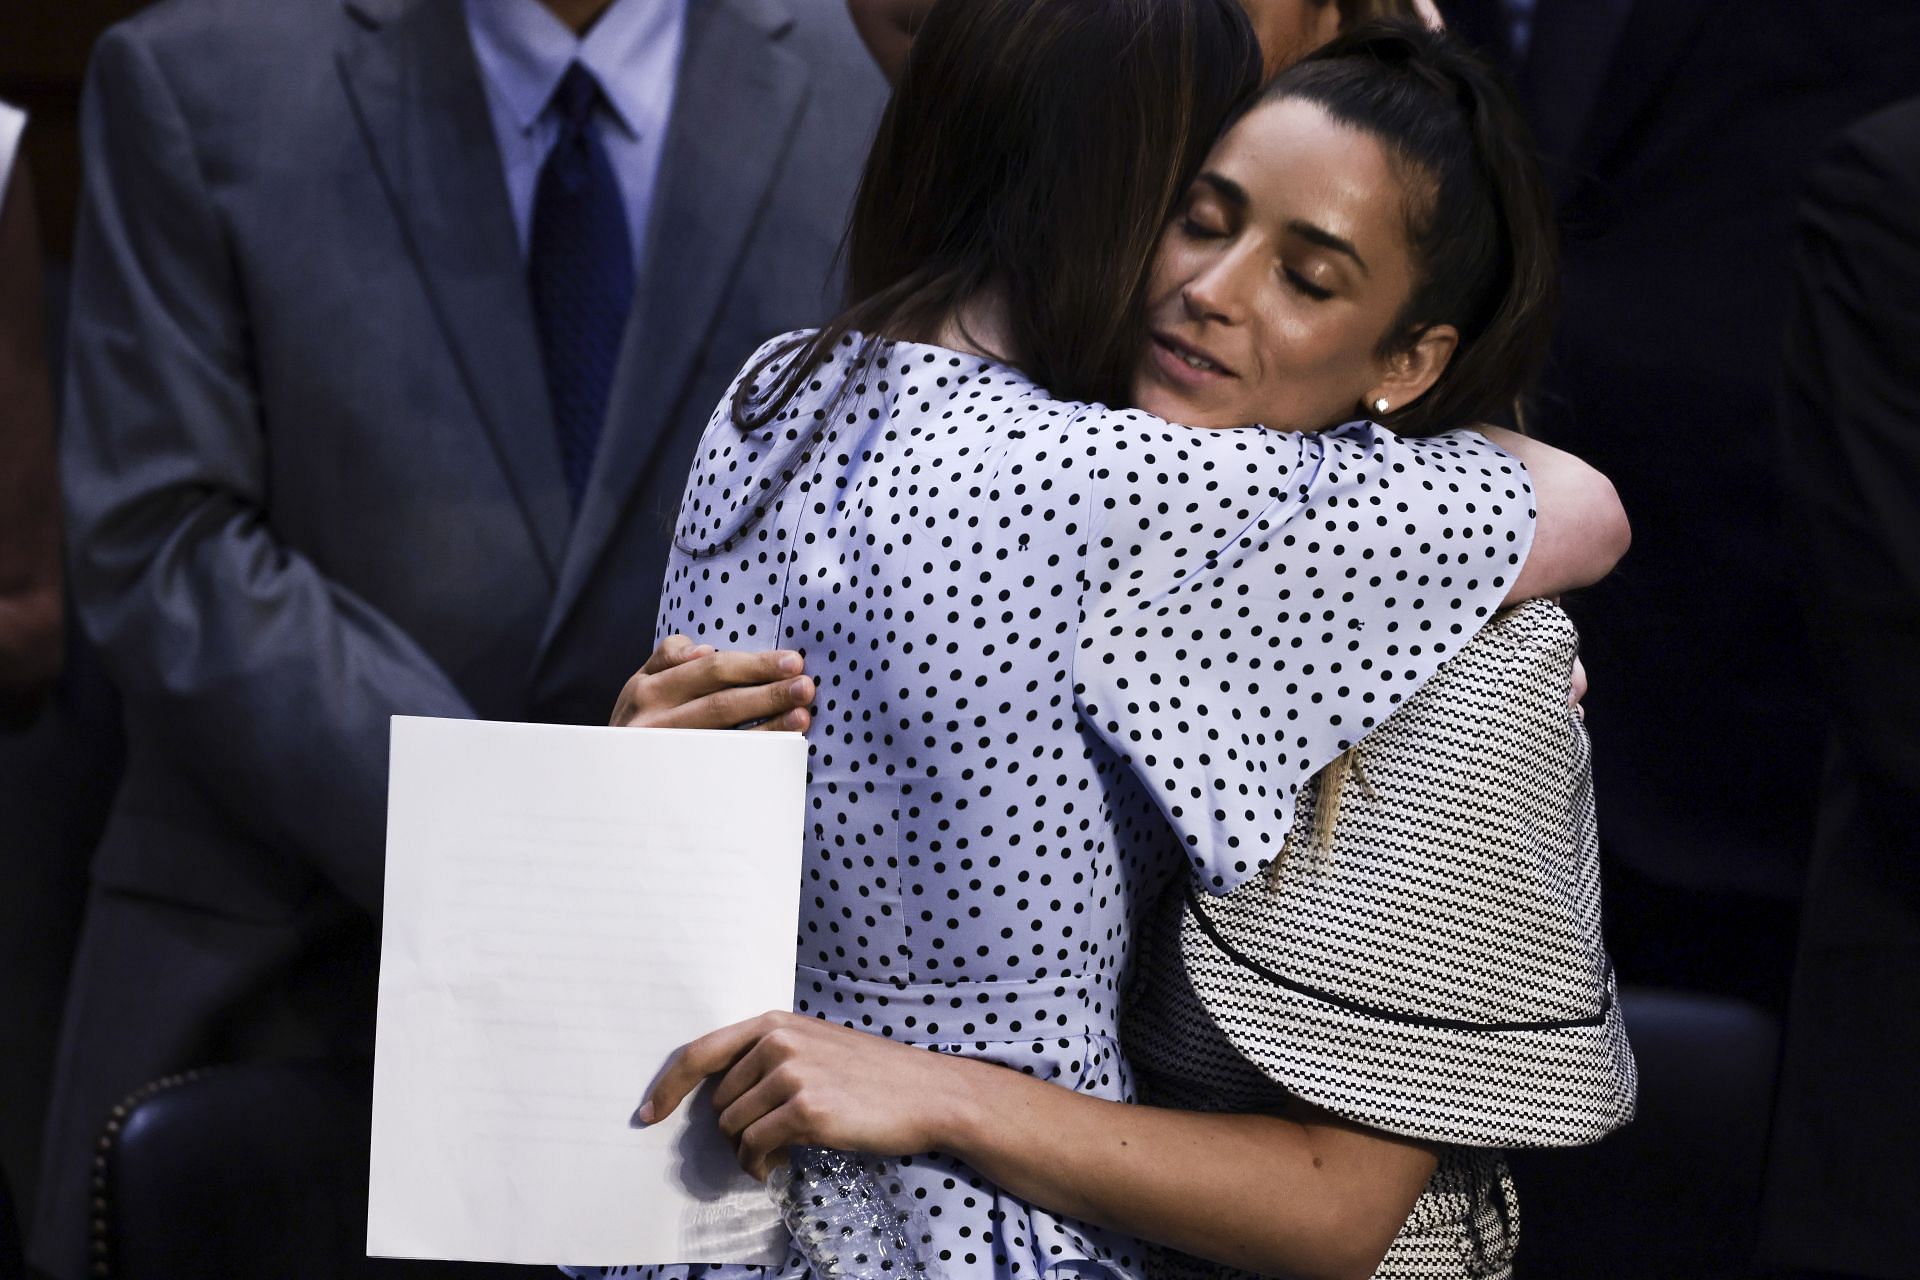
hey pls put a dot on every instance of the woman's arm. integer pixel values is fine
(887, 26)
(1581, 530)
(1304, 1195)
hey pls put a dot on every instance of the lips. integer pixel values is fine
(1186, 364)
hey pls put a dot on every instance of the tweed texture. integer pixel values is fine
(1435, 970)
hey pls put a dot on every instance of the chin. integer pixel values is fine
(1151, 397)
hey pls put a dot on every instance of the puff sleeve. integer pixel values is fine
(1258, 601)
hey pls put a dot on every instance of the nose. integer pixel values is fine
(1218, 291)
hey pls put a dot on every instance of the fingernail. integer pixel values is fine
(790, 662)
(801, 688)
(643, 1116)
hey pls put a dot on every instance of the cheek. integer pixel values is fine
(1172, 268)
(1313, 369)
(1297, 344)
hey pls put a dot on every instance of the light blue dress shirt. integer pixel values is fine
(633, 50)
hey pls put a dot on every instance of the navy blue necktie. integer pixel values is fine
(580, 271)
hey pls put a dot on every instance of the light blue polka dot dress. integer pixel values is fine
(1063, 653)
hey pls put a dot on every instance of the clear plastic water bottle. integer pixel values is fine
(843, 1220)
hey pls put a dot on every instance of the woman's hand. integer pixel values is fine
(694, 686)
(1306, 1194)
(787, 1080)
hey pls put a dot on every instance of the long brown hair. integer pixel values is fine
(1035, 148)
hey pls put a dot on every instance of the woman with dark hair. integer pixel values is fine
(1061, 647)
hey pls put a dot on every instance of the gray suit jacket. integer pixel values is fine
(312, 480)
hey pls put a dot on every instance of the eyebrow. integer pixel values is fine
(1227, 189)
(1327, 240)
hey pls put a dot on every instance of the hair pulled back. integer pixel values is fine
(1479, 216)
(1035, 147)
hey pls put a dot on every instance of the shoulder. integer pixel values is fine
(229, 60)
(845, 90)
(1511, 681)
(824, 35)
(1133, 438)
(771, 362)
(219, 31)
(1461, 450)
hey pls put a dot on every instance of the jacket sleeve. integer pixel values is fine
(269, 682)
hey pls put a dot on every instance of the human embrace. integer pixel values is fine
(1080, 675)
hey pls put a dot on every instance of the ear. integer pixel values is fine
(1411, 371)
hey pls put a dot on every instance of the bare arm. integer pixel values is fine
(887, 27)
(1302, 1195)
(1581, 530)
(30, 610)
(1305, 1195)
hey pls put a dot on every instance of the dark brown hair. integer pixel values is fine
(1479, 215)
(1035, 147)
(1358, 11)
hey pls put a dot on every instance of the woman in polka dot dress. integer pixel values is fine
(1064, 651)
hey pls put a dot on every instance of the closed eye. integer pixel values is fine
(1308, 287)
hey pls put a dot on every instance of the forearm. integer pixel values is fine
(1273, 1194)
(271, 683)
(1580, 528)
(1304, 1194)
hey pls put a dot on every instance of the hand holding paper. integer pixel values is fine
(564, 907)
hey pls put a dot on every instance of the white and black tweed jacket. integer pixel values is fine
(1437, 971)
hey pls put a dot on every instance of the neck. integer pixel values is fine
(978, 326)
(577, 14)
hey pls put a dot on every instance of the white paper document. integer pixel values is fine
(564, 907)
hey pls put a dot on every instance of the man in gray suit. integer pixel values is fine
(395, 324)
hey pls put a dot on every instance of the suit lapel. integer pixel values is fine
(416, 89)
(736, 102)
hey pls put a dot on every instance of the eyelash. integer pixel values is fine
(1307, 287)
(1195, 231)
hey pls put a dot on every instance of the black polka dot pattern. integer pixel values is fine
(1061, 650)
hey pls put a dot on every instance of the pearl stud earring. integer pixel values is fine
(1380, 405)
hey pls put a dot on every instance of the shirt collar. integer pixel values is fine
(523, 50)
